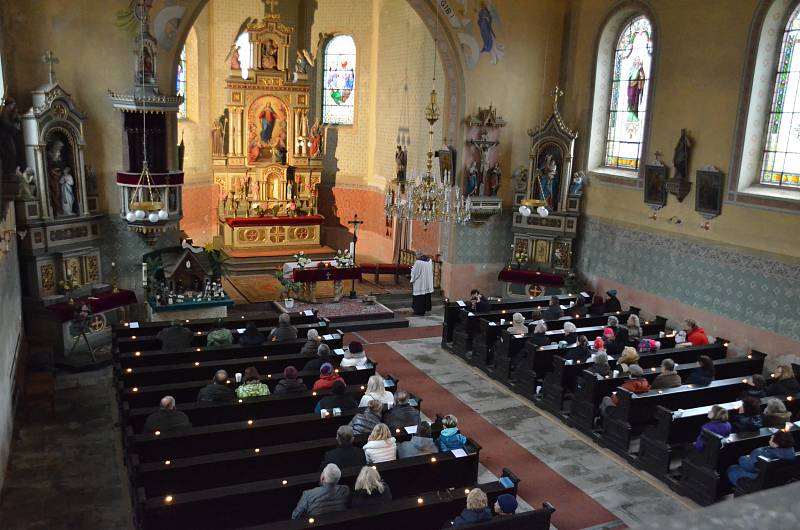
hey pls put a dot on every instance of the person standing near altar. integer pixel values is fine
(421, 284)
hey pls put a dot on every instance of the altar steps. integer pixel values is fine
(255, 263)
(362, 324)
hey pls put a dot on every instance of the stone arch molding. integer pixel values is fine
(452, 61)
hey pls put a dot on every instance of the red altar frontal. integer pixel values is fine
(273, 232)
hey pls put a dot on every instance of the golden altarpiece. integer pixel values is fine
(267, 158)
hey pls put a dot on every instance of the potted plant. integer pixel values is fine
(287, 287)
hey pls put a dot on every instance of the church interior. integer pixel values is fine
(286, 264)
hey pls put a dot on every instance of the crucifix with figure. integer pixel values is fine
(50, 59)
(556, 93)
(356, 223)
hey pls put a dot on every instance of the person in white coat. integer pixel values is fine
(381, 446)
(376, 390)
(421, 284)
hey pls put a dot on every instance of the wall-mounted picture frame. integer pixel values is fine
(447, 162)
(709, 189)
(655, 185)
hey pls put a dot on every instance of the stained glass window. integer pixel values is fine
(781, 161)
(180, 83)
(339, 81)
(629, 87)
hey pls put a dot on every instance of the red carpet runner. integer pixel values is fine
(575, 510)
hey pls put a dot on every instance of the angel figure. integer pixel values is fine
(27, 184)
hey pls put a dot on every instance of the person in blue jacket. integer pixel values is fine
(477, 510)
(781, 445)
(450, 438)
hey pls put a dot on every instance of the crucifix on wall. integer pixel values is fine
(50, 59)
(483, 146)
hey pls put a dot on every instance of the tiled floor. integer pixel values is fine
(629, 494)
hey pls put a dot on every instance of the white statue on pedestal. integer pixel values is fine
(67, 182)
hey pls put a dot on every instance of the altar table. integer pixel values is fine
(310, 275)
(271, 232)
(533, 283)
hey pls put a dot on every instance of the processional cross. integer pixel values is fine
(271, 4)
(356, 223)
(50, 59)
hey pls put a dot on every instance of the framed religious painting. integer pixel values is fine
(447, 163)
(655, 185)
(708, 197)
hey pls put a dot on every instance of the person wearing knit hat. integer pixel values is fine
(599, 345)
(608, 333)
(506, 504)
(518, 326)
(326, 378)
(612, 303)
(354, 355)
(290, 382)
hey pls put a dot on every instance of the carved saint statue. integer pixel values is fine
(223, 125)
(401, 162)
(55, 170)
(27, 184)
(473, 177)
(493, 179)
(315, 149)
(235, 63)
(681, 159)
(67, 182)
(548, 180)
(216, 139)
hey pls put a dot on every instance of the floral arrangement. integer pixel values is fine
(343, 258)
(69, 284)
(301, 259)
(521, 257)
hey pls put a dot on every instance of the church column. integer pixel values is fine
(42, 179)
(81, 183)
(240, 136)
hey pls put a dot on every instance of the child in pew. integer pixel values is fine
(376, 390)
(252, 387)
(506, 504)
(450, 438)
(749, 418)
(381, 446)
(781, 446)
(718, 424)
(370, 489)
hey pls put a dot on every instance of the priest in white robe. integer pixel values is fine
(421, 284)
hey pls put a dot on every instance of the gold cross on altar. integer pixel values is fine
(51, 60)
(556, 93)
(271, 4)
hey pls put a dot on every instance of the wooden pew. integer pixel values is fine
(466, 322)
(772, 472)
(200, 338)
(634, 411)
(559, 384)
(145, 396)
(703, 475)
(204, 324)
(273, 406)
(191, 371)
(490, 327)
(535, 361)
(137, 358)
(591, 389)
(244, 504)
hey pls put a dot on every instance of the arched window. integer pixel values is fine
(780, 164)
(628, 107)
(180, 83)
(339, 81)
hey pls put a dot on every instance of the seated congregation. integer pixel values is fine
(282, 410)
(674, 403)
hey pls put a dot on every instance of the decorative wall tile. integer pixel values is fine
(751, 289)
(486, 243)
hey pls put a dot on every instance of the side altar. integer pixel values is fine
(266, 157)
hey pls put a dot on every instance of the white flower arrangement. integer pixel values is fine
(343, 258)
(301, 259)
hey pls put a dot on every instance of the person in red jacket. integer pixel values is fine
(636, 384)
(326, 378)
(695, 335)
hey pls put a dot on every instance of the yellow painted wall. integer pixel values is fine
(698, 77)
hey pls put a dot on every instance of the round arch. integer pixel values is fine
(453, 102)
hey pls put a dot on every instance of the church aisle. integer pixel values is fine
(67, 472)
(588, 486)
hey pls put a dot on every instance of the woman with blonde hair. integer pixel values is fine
(477, 510)
(784, 382)
(775, 414)
(634, 328)
(370, 489)
(377, 391)
(381, 445)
